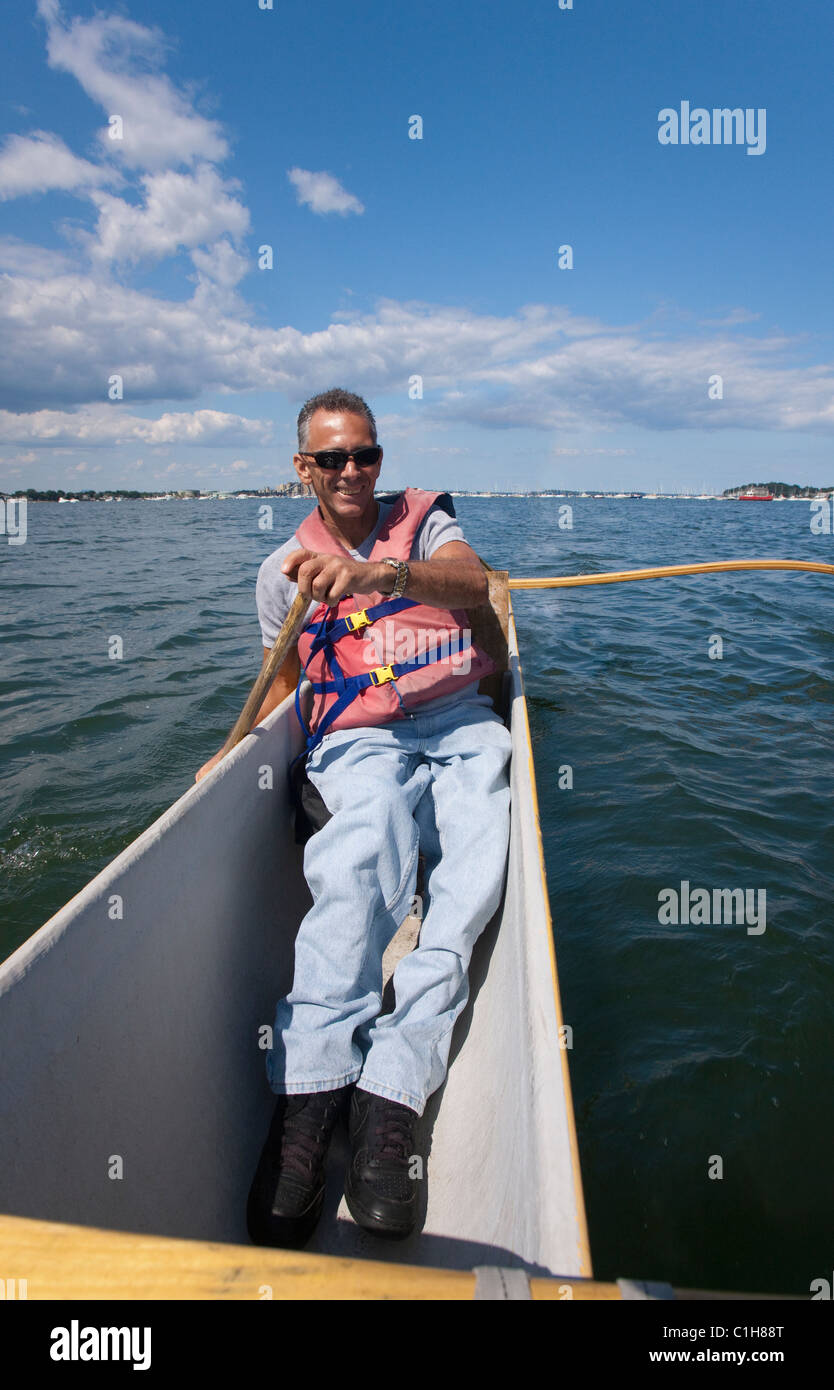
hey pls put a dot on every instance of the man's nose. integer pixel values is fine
(351, 470)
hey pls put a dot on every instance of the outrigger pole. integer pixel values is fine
(569, 581)
(294, 620)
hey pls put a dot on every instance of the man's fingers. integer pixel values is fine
(328, 588)
(307, 576)
(323, 577)
(304, 572)
(293, 561)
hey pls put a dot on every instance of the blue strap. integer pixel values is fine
(304, 729)
(340, 678)
(341, 627)
(400, 668)
(346, 698)
(320, 638)
(321, 631)
(328, 631)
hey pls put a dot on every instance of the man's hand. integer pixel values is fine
(327, 578)
(452, 578)
(212, 762)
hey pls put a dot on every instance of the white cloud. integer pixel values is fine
(221, 264)
(169, 209)
(23, 258)
(11, 463)
(219, 269)
(110, 56)
(179, 210)
(730, 319)
(322, 193)
(61, 338)
(589, 453)
(109, 425)
(39, 162)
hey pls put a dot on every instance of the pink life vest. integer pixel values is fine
(371, 658)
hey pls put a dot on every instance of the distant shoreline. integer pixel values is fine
(780, 492)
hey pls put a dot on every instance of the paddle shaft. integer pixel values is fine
(285, 640)
(569, 581)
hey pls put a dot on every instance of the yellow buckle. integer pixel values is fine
(382, 674)
(357, 620)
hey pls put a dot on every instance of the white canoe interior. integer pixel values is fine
(138, 1038)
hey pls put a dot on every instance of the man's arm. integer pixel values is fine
(452, 578)
(283, 685)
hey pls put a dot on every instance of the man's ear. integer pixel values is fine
(302, 468)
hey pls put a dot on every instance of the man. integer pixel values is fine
(406, 755)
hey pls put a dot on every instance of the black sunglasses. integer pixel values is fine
(337, 458)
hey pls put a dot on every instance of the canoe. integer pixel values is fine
(133, 1093)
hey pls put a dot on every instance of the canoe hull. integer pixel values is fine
(133, 1093)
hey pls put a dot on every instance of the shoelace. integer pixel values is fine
(392, 1135)
(305, 1138)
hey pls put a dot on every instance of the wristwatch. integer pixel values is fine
(402, 575)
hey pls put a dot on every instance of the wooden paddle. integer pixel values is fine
(286, 639)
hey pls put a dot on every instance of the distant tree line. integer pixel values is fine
(779, 489)
(33, 494)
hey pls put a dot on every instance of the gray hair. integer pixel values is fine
(335, 401)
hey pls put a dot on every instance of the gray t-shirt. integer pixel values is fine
(275, 592)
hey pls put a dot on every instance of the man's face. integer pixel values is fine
(344, 494)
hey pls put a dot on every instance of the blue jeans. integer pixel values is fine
(434, 782)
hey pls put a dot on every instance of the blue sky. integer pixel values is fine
(397, 257)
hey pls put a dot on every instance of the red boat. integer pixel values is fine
(751, 495)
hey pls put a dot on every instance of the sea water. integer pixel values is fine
(683, 732)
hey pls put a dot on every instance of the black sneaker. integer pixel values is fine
(382, 1187)
(287, 1192)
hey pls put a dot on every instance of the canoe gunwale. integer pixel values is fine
(586, 1268)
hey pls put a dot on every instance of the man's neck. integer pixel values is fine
(352, 536)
